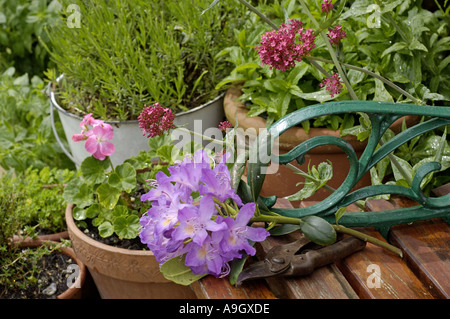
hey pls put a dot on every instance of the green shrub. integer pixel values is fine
(129, 53)
(22, 22)
(26, 136)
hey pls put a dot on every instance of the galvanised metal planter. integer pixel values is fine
(128, 139)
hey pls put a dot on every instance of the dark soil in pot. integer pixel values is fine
(114, 240)
(48, 284)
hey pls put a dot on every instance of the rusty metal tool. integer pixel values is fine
(299, 258)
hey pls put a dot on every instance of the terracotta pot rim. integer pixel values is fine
(20, 241)
(92, 242)
(68, 251)
(294, 135)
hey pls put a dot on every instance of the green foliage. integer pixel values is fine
(175, 270)
(110, 197)
(26, 136)
(22, 23)
(129, 53)
(431, 147)
(407, 47)
(315, 179)
(36, 196)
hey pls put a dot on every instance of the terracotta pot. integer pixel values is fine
(76, 290)
(284, 181)
(35, 242)
(121, 273)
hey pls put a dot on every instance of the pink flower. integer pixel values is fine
(281, 48)
(336, 34)
(224, 125)
(332, 84)
(97, 137)
(327, 6)
(154, 120)
(98, 142)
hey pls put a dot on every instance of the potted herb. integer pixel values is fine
(33, 268)
(126, 55)
(41, 203)
(338, 56)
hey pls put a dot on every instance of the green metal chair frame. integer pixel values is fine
(382, 115)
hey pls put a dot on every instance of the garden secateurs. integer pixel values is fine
(299, 258)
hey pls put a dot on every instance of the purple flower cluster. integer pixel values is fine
(335, 34)
(154, 120)
(281, 48)
(332, 84)
(326, 6)
(208, 234)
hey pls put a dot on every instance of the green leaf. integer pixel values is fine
(340, 212)
(318, 230)
(238, 169)
(105, 229)
(94, 210)
(175, 270)
(108, 195)
(236, 268)
(79, 193)
(93, 170)
(124, 178)
(405, 167)
(127, 227)
(394, 48)
(259, 159)
(79, 213)
(283, 229)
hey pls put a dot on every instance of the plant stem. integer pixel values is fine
(258, 13)
(331, 51)
(296, 221)
(379, 77)
(218, 142)
(368, 238)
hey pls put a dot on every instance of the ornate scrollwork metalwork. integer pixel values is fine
(382, 115)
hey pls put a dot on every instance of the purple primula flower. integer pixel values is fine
(195, 221)
(204, 258)
(174, 226)
(236, 237)
(217, 182)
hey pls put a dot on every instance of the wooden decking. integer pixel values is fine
(373, 273)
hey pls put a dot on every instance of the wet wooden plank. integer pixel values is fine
(426, 248)
(375, 273)
(324, 283)
(211, 287)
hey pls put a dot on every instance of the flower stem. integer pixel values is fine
(365, 237)
(218, 142)
(339, 228)
(379, 77)
(331, 51)
(258, 13)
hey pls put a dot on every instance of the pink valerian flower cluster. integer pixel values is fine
(335, 34)
(327, 6)
(210, 238)
(224, 125)
(333, 84)
(154, 120)
(97, 135)
(281, 48)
